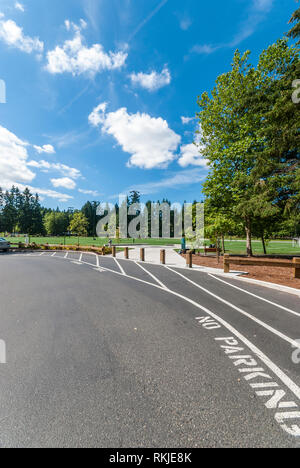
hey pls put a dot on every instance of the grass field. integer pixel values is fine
(232, 246)
(273, 247)
(91, 241)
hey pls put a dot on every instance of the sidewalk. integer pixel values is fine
(152, 255)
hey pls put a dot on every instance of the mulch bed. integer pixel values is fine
(276, 275)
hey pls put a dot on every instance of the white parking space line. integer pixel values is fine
(238, 309)
(66, 255)
(80, 258)
(120, 267)
(256, 296)
(152, 276)
(53, 255)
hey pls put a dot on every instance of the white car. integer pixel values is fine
(4, 244)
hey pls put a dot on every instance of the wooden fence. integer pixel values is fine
(295, 263)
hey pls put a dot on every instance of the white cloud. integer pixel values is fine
(187, 120)
(76, 58)
(13, 159)
(14, 168)
(151, 81)
(94, 193)
(48, 149)
(149, 140)
(96, 117)
(66, 171)
(64, 182)
(19, 6)
(13, 35)
(190, 156)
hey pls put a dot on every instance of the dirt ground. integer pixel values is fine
(276, 275)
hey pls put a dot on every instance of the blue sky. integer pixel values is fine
(101, 94)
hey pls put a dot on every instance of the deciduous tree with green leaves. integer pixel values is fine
(79, 224)
(250, 136)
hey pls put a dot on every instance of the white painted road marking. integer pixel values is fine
(256, 296)
(238, 309)
(120, 267)
(152, 276)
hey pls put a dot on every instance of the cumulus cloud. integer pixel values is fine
(13, 159)
(96, 117)
(151, 81)
(190, 155)
(64, 182)
(15, 169)
(48, 149)
(66, 171)
(13, 35)
(76, 58)
(150, 141)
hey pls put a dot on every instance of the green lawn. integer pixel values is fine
(91, 241)
(273, 247)
(233, 247)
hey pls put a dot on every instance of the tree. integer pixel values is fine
(79, 224)
(253, 151)
(294, 32)
(89, 210)
(56, 223)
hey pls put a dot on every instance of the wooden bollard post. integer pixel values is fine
(189, 259)
(162, 257)
(114, 251)
(103, 251)
(226, 263)
(126, 253)
(142, 255)
(296, 266)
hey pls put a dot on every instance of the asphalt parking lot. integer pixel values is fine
(103, 353)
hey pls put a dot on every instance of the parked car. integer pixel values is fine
(4, 244)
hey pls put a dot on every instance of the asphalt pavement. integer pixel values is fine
(105, 352)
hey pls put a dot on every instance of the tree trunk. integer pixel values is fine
(249, 238)
(218, 252)
(263, 243)
(223, 244)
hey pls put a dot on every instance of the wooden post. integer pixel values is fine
(226, 263)
(126, 253)
(296, 266)
(189, 259)
(142, 255)
(114, 250)
(162, 257)
(103, 251)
